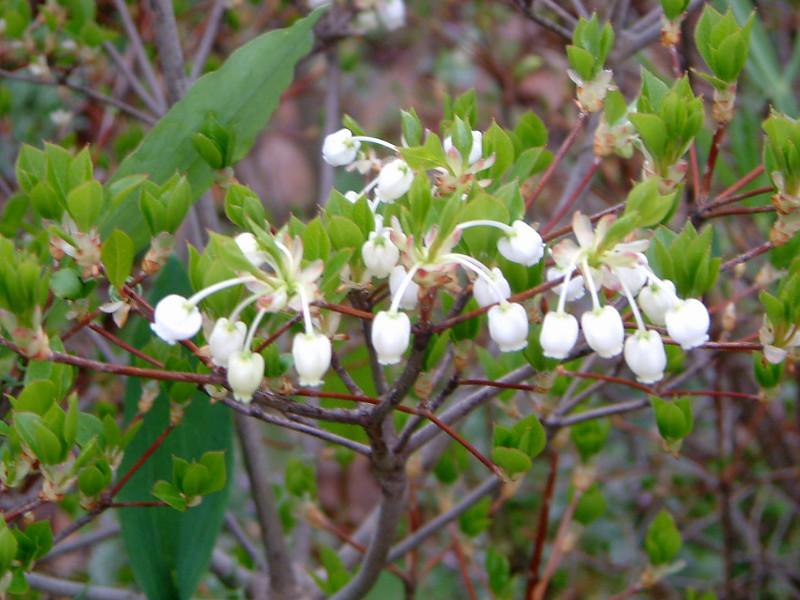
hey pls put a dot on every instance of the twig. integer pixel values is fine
(124, 345)
(576, 193)
(757, 251)
(558, 547)
(232, 525)
(730, 199)
(713, 153)
(281, 574)
(489, 486)
(132, 34)
(541, 527)
(169, 49)
(207, 41)
(62, 587)
(141, 460)
(740, 184)
(462, 563)
(83, 90)
(131, 78)
(557, 159)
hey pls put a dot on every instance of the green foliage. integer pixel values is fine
(498, 571)
(674, 9)
(117, 255)
(782, 152)
(591, 506)
(589, 436)
(590, 47)
(674, 419)
(476, 518)
(685, 259)
(336, 575)
(667, 120)
(215, 144)
(723, 45)
(767, 375)
(300, 478)
(192, 480)
(663, 540)
(241, 95)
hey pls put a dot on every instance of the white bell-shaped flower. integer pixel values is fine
(508, 326)
(410, 294)
(245, 371)
(394, 180)
(380, 255)
(392, 13)
(603, 330)
(339, 148)
(575, 287)
(688, 322)
(656, 299)
(475, 151)
(249, 246)
(521, 244)
(645, 356)
(391, 333)
(486, 293)
(559, 334)
(225, 339)
(175, 319)
(634, 278)
(312, 357)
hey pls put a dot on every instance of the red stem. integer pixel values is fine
(541, 528)
(125, 346)
(142, 459)
(572, 199)
(562, 151)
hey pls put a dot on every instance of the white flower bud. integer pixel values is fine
(245, 371)
(475, 152)
(391, 333)
(225, 339)
(339, 148)
(559, 334)
(392, 13)
(508, 326)
(603, 330)
(522, 245)
(645, 356)
(252, 251)
(486, 293)
(688, 323)
(656, 299)
(380, 255)
(312, 357)
(575, 289)
(175, 319)
(394, 180)
(411, 293)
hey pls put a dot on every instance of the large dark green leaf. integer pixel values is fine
(169, 550)
(241, 94)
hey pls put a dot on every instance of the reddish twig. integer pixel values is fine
(541, 528)
(557, 159)
(124, 345)
(141, 460)
(462, 563)
(572, 199)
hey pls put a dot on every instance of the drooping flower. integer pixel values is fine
(245, 371)
(379, 253)
(486, 293)
(394, 180)
(603, 330)
(521, 244)
(656, 299)
(508, 326)
(688, 322)
(559, 334)
(410, 295)
(391, 333)
(339, 148)
(312, 357)
(645, 356)
(176, 319)
(226, 338)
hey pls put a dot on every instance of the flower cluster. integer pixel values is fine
(284, 284)
(618, 267)
(413, 262)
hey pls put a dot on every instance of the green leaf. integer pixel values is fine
(166, 492)
(663, 541)
(45, 201)
(240, 203)
(242, 94)
(36, 397)
(169, 552)
(117, 256)
(511, 460)
(498, 568)
(591, 505)
(344, 233)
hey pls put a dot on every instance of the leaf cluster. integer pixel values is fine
(723, 45)
(590, 47)
(686, 259)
